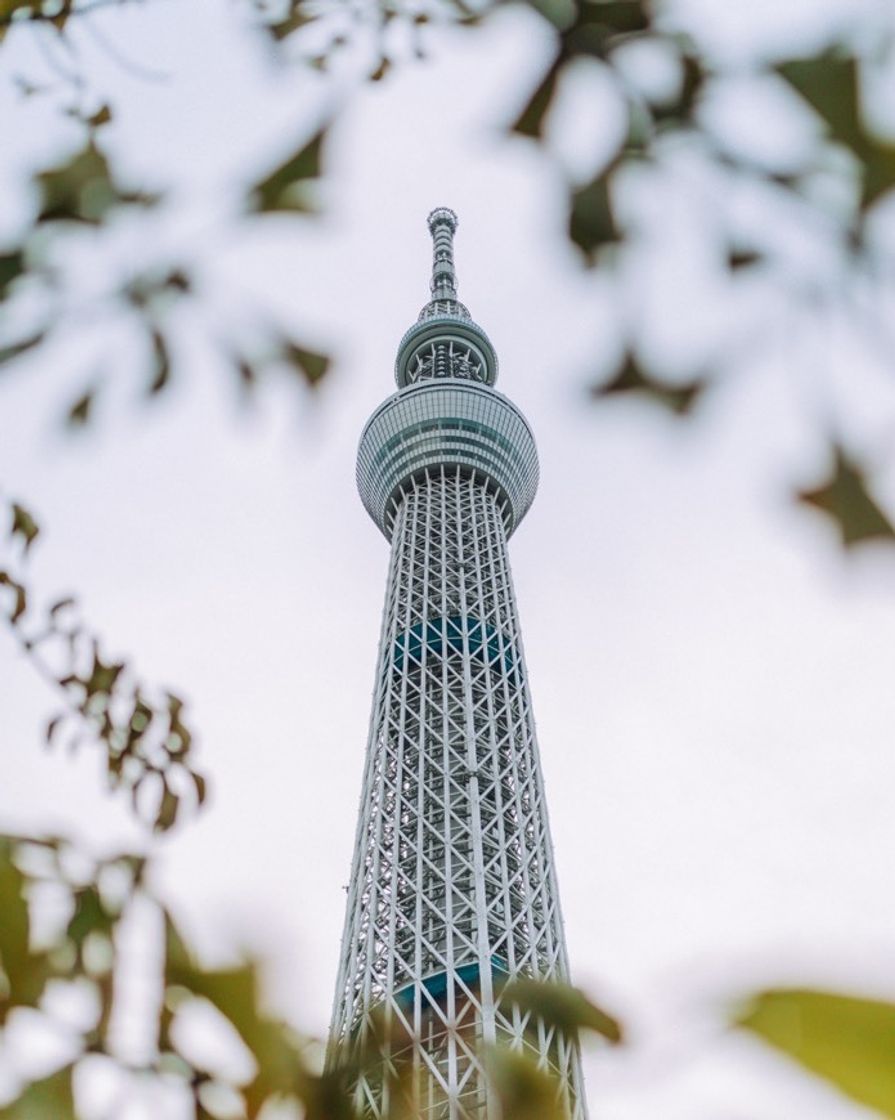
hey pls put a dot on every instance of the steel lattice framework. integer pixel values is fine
(453, 889)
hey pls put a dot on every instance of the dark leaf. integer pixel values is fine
(844, 497)
(161, 362)
(297, 18)
(89, 916)
(166, 816)
(679, 399)
(52, 727)
(17, 348)
(12, 265)
(23, 525)
(102, 116)
(591, 223)
(61, 605)
(79, 413)
(678, 111)
(530, 121)
(848, 1041)
(381, 70)
(563, 1007)
(102, 676)
(80, 190)
(311, 365)
(601, 24)
(741, 258)
(284, 188)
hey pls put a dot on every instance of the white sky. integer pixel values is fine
(711, 679)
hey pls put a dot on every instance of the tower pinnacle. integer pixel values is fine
(444, 341)
(443, 223)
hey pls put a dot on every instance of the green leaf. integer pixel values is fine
(50, 1099)
(601, 24)
(285, 188)
(844, 497)
(25, 973)
(23, 525)
(829, 84)
(311, 365)
(530, 121)
(679, 399)
(563, 1007)
(678, 111)
(879, 172)
(848, 1041)
(591, 224)
(12, 265)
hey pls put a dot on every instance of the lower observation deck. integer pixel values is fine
(448, 423)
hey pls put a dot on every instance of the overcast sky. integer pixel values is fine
(712, 681)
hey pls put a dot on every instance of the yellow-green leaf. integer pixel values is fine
(12, 265)
(23, 525)
(49, 1099)
(525, 1092)
(848, 1041)
(563, 1007)
(311, 365)
(844, 497)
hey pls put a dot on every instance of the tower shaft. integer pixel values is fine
(453, 891)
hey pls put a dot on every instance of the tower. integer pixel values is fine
(453, 889)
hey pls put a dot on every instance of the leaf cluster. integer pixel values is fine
(147, 744)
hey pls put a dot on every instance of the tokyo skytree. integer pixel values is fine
(453, 890)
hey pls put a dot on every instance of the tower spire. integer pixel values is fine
(443, 223)
(444, 341)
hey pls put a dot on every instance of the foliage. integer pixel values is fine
(147, 745)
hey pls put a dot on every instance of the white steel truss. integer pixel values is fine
(453, 890)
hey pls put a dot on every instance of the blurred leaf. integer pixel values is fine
(297, 18)
(50, 1099)
(283, 189)
(12, 265)
(844, 497)
(848, 1041)
(89, 916)
(525, 1092)
(23, 525)
(678, 110)
(20, 596)
(26, 973)
(829, 84)
(79, 413)
(563, 1007)
(741, 258)
(679, 399)
(102, 116)
(102, 676)
(166, 816)
(311, 365)
(530, 121)
(601, 24)
(17, 348)
(161, 362)
(591, 223)
(83, 190)
(879, 172)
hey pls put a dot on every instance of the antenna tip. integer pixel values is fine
(442, 215)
